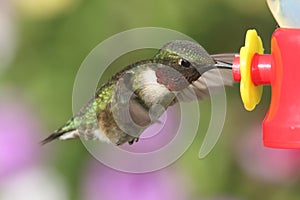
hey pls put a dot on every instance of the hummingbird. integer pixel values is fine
(135, 97)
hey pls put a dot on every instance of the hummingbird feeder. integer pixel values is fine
(280, 69)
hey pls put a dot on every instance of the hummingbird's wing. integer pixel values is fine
(224, 57)
(211, 81)
(129, 114)
(138, 113)
(134, 96)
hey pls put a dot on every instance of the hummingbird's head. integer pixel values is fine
(182, 62)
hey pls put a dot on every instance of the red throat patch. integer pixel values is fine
(171, 78)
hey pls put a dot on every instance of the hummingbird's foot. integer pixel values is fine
(133, 140)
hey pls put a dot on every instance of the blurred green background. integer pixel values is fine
(51, 42)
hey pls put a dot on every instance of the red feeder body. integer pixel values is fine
(281, 127)
(281, 69)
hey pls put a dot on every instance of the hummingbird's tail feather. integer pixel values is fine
(66, 135)
(51, 137)
(66, 132)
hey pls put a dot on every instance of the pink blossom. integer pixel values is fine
(101, 182)
(18, 130)
(266, 164)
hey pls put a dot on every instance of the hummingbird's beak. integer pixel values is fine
(217, 65)
(222, 61)
(224, 57)
(223, 65)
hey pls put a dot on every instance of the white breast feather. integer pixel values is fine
(150, 88)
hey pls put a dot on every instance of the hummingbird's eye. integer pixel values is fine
(184, 63)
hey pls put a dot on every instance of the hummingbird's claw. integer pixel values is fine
(133, 140)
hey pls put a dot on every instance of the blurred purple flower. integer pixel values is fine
(104, 183)
(21, 171)
(266, 164)
(18, 128)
